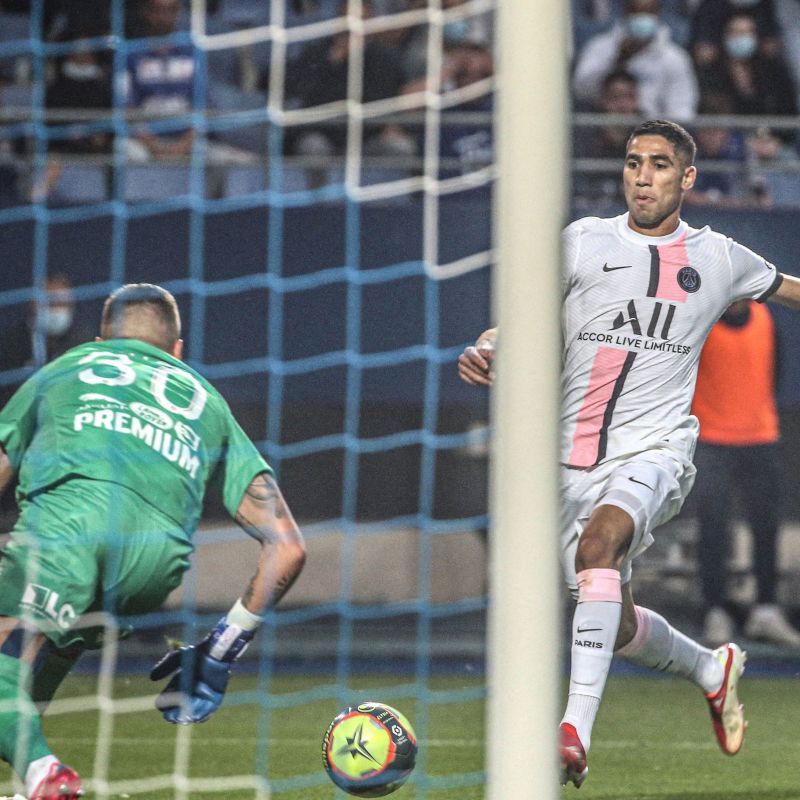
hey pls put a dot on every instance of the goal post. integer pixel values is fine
(524, 644)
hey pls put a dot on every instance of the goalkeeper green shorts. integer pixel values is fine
(88, 546)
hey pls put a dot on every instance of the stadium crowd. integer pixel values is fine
(644, 58)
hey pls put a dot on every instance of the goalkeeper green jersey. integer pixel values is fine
(126, 412)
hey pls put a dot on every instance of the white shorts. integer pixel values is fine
(651, 486)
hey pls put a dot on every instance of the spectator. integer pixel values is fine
(54, 322)
(754, 83)
(472, 30)
(64, 16)
(471, 145)
(619, 95)
(788, 15)
(320, 76)
(737, 455)
(10, 194)
(81, 80)
(708, 24)
(727, 147)
(161, 82)
(45, 333)
(463, 146)
(642, 45)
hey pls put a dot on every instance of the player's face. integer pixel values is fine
(655, 180)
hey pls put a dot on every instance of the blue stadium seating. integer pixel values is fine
(155, 182)
(79, 184)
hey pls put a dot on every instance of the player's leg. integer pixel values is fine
(601, 551)
(22, 649)
(645, 491)
(54, 665)
(48, 581)
(648, 640)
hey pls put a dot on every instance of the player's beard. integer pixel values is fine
(649, 220)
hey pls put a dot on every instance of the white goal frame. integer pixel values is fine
(524, 632)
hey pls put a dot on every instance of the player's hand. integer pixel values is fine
(475, 364)
(196, 688)
(199, 679)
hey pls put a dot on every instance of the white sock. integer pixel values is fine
(658, 645)
(37, 772)
(594, 631)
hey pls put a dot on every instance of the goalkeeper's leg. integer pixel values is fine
(54, 665)
(23, 651)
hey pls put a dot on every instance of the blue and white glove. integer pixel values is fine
(202, 670)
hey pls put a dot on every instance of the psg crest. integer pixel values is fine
(688, 279)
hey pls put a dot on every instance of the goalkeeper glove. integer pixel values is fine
(200, 672)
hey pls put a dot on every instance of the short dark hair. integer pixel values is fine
(618, 75)
(142, 311)
(678, 136)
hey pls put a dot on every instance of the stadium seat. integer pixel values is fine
(79, 184)
(245, 13)
(247, 180)
(373, 175)
(155, 182)
(16, 96)
(784, 188)
(226, 97)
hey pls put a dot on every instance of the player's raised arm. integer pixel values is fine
(264, 515)
(788, 293)
(475, 363)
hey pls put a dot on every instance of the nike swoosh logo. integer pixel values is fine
(641, 483)
(606, 268)
(587, 630)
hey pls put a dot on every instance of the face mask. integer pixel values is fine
(455, 31)
(76, 71)
(54, 321)
(641, 27)
(741, 46)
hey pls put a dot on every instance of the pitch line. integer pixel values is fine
(237, 742)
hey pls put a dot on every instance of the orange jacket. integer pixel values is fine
(735, 394)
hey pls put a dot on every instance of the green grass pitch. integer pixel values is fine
(652, 741)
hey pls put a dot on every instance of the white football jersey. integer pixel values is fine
(637, 310)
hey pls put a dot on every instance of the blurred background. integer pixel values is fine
(313, 180)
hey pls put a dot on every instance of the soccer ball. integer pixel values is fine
(369, 750)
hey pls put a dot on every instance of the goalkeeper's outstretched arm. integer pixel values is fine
(264, 515)
(200, 672)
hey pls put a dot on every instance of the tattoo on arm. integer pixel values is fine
(264, 491)
(264, 515)
(281, 586)
(261, 501)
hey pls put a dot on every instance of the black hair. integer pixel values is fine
(677, 135)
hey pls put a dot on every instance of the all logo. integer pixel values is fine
(657, 326)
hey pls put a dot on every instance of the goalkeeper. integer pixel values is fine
(115, 443)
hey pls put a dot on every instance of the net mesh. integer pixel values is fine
(327, 294)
